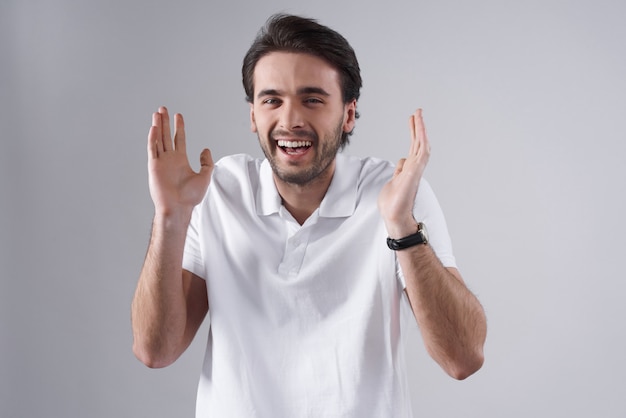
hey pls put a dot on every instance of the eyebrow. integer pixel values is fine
(313, 90)
(301, 91)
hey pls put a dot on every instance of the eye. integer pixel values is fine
(313, 100)
(271, 101)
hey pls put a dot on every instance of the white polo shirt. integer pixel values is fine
(304, 319)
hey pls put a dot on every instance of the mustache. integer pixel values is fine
(300, 134)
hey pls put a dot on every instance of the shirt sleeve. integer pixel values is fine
(428, 211)
(192, 253)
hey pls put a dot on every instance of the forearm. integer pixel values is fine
(159, 307)
(450, 317)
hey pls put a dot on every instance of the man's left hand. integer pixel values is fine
(397, 197)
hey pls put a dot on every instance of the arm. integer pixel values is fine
(169, 303)
(450, 318)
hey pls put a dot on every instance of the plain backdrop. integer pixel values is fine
(525, 105)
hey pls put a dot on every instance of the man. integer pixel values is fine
(303, 258)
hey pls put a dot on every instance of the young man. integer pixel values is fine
(303, 258)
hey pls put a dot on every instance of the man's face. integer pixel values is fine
(299, 115)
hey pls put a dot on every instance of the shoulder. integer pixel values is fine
(366, 170)
(235, 164)
(235, 177)
(237, 169)
(372, 169)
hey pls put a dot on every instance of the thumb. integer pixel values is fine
(399, 167)
(206, 162)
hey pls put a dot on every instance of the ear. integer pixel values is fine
(252, 120)
(349, 117)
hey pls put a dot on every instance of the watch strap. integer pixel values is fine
(409, 241)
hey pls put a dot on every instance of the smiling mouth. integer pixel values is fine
(294, 147)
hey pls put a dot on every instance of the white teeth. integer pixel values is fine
(294, 144)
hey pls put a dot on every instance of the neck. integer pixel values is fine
(301, 200)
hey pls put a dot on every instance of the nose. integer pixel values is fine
(291, 116)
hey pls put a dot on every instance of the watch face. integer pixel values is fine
(422, 228)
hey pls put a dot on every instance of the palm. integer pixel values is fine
(174, 186)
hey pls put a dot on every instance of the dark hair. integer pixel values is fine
(298, 34)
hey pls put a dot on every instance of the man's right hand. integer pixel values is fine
(169, 303)
(175, 188)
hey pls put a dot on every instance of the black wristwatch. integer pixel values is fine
(420, 237)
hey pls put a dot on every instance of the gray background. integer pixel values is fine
(524, 104)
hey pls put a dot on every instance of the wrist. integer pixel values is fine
(398, 230)
(419, 237)
(170, 219)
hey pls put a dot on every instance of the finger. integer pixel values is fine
(165, 129)
(180, 143)
(414, 124)
(412, 129)
(152, 143)
(155, 142)
(420, 130)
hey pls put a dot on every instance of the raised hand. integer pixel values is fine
(175, 188)
(397, 197)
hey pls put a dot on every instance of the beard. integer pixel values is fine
(325, 155)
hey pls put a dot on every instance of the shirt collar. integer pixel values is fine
(339, 201)
(268, 200)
